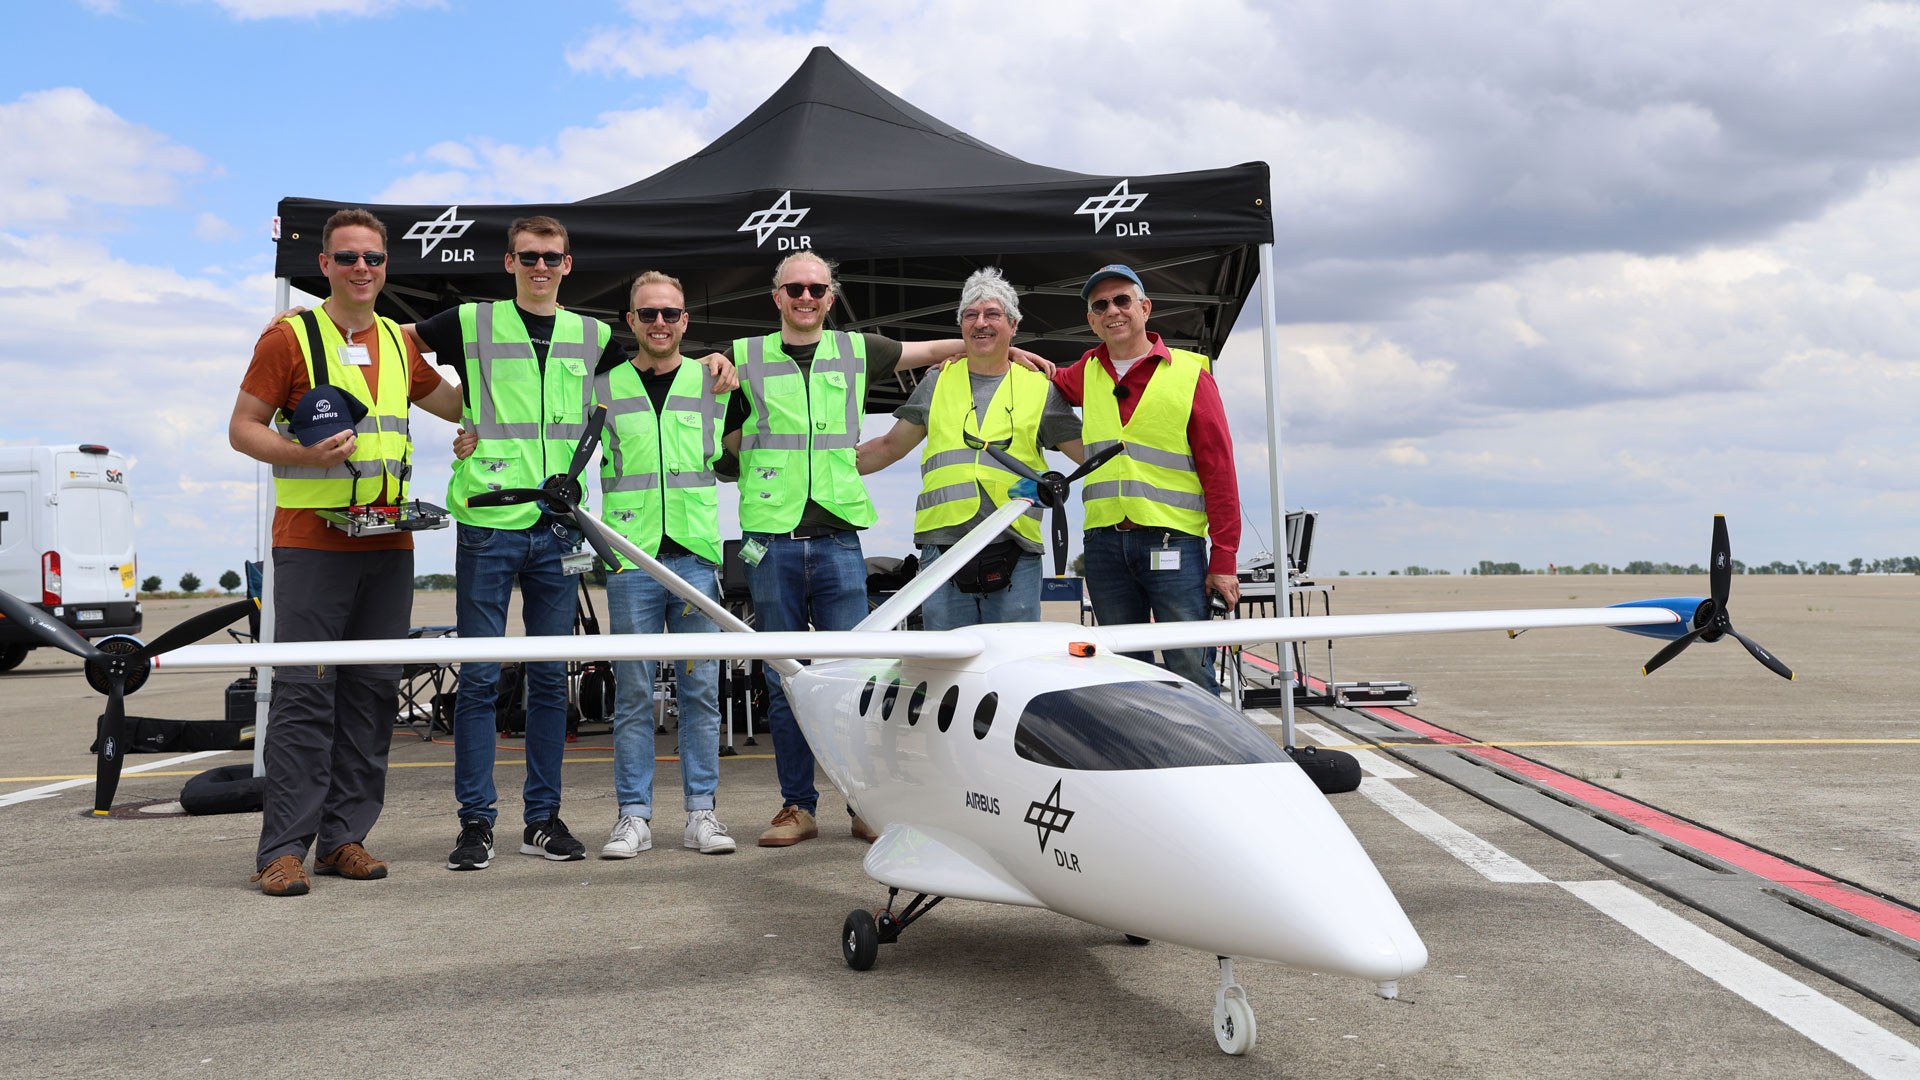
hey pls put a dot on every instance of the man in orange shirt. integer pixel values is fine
(325, 402)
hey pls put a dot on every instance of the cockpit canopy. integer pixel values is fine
(1138, 725)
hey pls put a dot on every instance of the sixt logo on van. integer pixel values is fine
(115, 476)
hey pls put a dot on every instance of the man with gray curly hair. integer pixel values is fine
(995, 400)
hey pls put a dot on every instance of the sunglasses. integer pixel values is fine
(646, 315)
(795, 289)
(529, 258)
(1123, 301)
(348, 258)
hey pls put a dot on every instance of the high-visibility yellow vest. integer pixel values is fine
(1152, 481)
(952, 475)
(383, 449)
(527, 421)
(656, 468)
(799, 439)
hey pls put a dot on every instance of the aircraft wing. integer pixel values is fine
(1140, 637)
(917, 860)
(945, 644)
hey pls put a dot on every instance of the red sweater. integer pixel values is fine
(1207, 434)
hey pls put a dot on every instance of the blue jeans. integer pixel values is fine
(799, 583)
(637, 604)
(1125, 588)
(486, 566)
(950, 609)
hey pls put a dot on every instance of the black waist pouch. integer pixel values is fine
(991, 570)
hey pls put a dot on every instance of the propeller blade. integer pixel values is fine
(597, 540)
(198, 627)
(113, 734)
(506, 497)
(588, 442)
(1771, 661)
(1674, 648)
(46, 627)
(1095, 462)
(1013, 464)
(1720, 572)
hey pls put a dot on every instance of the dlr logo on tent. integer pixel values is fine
(794, 243)
(448, 255)
(1132, 228)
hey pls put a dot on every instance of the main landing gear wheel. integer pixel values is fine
(859, 940)
(1233, 1025)
(11, 655)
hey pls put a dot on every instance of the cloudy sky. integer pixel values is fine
(1557, 280)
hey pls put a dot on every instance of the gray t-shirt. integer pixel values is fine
(1058, 424)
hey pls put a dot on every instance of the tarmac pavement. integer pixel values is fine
(136, 947)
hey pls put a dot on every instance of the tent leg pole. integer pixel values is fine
(263, 690)
(1282, 600)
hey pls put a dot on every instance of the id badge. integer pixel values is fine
(356, 355)
(752, 552)
(1166, 558)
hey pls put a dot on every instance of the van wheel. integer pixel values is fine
(11, 655)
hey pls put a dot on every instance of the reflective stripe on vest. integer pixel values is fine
(527, 416)
(952, 474)
(1152, 481)
(679, 443)
(383, 450)
(799, 438)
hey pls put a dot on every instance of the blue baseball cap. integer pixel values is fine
(1111, 270)
(323, 412)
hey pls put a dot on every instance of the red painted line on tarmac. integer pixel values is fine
(1788, 875)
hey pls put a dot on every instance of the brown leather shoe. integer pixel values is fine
(790, 826)
(284, 876)
(350, 861)
(863, 831)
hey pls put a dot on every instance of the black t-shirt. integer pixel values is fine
(444, 340)
(883, 357)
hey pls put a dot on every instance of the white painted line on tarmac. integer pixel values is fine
(50, 790)
(1853, 1038)
(1492, 863)
(1379, 765)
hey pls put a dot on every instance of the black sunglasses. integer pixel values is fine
(529, 258)
(795, 288)
(348, 258)
(647, 314)
(1123, 301)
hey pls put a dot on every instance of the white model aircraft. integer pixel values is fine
(1032, 764)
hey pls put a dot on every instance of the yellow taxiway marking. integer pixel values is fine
(390, 765)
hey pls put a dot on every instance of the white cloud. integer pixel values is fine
(60, 149)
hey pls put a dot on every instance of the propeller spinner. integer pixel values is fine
(1052, 488)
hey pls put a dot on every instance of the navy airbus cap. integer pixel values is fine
(1111, 270)
(323, 412)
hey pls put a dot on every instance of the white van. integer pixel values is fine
(66, 541)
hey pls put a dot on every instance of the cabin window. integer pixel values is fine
(866, 694)
(948, 702)
(983, 715)
(915, 703)
(886, 703)
(1138, 725)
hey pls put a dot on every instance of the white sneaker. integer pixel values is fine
(630, 837)
(706, 835)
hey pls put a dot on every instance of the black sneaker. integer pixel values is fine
(474, 849)
(551, 839)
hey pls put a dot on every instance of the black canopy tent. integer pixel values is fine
(907, 205)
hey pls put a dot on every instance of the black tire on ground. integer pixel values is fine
(1136, 940)
(11, 655)
(1332, 771)
(229, 789)
(859, 940)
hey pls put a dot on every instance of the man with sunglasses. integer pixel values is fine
(659, 490)
(988, 399)
(527, 369)
(1151, 510)
(802, 502)
(328, 727)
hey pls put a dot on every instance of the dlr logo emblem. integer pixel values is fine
(448, 255)
(794, 243)
(1131, 228)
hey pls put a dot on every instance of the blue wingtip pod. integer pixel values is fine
(1692, 611)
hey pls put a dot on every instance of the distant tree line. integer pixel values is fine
(1908, 564)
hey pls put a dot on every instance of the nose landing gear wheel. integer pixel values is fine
(859, 940)
(1233, 1024)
